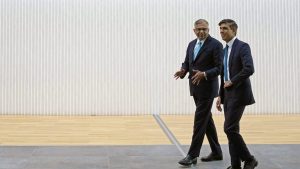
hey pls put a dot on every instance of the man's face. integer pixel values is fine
(226, 32)
(201, 30)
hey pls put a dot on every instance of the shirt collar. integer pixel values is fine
(230, 43)
(202, 41)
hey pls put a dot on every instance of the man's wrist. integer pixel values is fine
(205, 75)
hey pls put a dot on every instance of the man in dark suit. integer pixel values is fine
(203, 63)
(235, 92)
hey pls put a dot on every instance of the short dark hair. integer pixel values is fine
(232, 24)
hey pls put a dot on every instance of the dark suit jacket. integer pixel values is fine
(240, 69)
(209, 60)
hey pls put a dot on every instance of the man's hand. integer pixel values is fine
(227, 84)
(179, 74)
(198, 76)
(218, 104)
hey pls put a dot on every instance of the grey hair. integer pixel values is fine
(200, 21)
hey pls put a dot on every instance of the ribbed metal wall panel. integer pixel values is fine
(118, 57)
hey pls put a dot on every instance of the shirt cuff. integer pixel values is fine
(205, 76)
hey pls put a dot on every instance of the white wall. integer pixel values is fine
(118, 57)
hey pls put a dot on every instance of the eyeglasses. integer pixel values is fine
(200, 29)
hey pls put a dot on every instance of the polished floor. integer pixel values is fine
(136, 142)
(134, 157)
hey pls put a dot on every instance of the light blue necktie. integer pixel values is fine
(225, 63)
(197, 49)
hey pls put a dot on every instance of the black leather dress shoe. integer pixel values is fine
(188, 160)
(251, 164)
(230, 167)
(212, 157)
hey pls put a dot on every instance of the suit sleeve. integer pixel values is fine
(185, 64)
(221, 89)
(247, 64)
(217, 61)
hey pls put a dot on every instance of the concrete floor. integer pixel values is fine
(135, 157)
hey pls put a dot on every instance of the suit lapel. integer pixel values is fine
(203, 48)
(232, 52)
(192, 50)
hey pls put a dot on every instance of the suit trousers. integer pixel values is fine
(204, 124)
(237, 147)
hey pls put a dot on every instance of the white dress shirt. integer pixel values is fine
(230, 43)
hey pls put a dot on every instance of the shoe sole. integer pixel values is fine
(256, 164)
(211, 160)
(185, 164)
